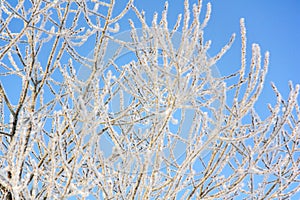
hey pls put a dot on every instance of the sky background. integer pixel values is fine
(273, 24)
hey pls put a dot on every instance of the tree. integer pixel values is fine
(146, 120)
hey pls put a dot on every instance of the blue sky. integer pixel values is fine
(274, 25)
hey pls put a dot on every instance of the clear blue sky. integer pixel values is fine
(273, 24)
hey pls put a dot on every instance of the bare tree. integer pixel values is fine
(144, 117)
